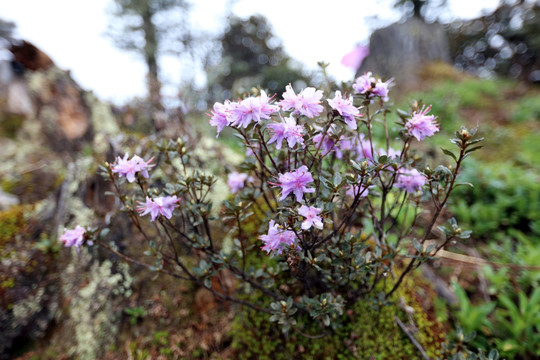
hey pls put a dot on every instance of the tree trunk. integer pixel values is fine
(150, 58)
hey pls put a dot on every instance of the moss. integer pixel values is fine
(12, 222)
(367, 332)
(10, 124)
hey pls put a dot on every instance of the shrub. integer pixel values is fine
(321, 220)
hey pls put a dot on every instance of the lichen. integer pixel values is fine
(30, 305)
(93, 310)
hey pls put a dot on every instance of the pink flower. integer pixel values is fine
(363, 148)
(312, 217)
(286, 130)
(391, 153)
(421, 125)
(354, 190)
(364, 83)
(345, 108)
(253, 146)
(410, 180)
(159, 206)
(129, 168)
(252, 109)
(236, 181)
(307, 102)
(327, 144)
(73, 237)
(221, 115)
(277, 239)
(296, 182)
(355, 58)
(381, 89)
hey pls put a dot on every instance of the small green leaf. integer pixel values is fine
(449, 153)
(463, 184)
(337, 179)
(473, 149)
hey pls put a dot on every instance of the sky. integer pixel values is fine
(72, 33)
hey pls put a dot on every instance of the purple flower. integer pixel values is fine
(381, 89)
(277, 239)
(252, 109)
(295, 182)
(74, 237)
(307, 102)
(345, 108)
(253, 146)
(355, 58)
(221, 115)
(363, 83)
(327, 144)
(129, 168)
(421, 125)
(312, 217)
(236, 181)
(391, 153)
(410, 180)
(363, 148)
(352, 191)
(159, 206)
(286, 130)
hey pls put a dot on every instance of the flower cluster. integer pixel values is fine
(74, 237)
(236, 181)
(307, 102)
(129, 168)
(243, 113)
(287, 130)
(421, 125)
(277, 239)
(295, 182)
(367, 85)
(345, 108)
(158, 206)
(410, 180)
(312, 217)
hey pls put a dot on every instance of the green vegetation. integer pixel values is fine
(502, 209)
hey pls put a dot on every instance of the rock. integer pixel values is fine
(7, 200)
(402, 50)
(30, 56)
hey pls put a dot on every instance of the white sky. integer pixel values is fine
(72, 33)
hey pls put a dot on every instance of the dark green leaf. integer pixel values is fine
(449, 153)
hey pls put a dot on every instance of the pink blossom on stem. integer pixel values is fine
(328, 143)
(252, 109)
(74, 237)
(354, 190)
(236, 181)
(129, 168)
(312, 217)
(345, 108)
(307, 102)
(421, 125)
(221, 115)
(410, 180)
(363, 148)
(159, 206)
(277, 239)
(381, 89)
(363, 83)
(286, 130)
(355, 58)
(391, 153)
(296, 182)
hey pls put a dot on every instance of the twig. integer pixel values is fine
(411, 337)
